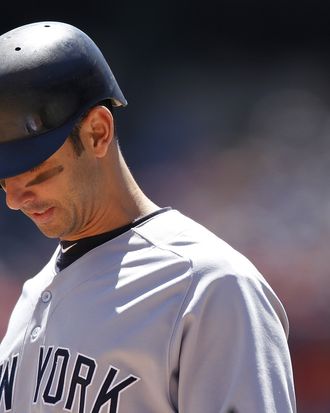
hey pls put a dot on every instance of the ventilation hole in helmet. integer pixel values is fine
(46, 25)
(17, 49)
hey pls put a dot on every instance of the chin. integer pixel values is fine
(52, 232)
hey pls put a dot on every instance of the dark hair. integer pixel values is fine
(75, 134)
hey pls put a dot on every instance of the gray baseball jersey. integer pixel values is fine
(163, 318)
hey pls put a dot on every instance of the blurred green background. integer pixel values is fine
(229, 121)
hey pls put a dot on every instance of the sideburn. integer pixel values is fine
(75, 140)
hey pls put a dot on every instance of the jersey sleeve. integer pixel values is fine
(231, 349)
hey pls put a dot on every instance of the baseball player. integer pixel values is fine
(140, 309)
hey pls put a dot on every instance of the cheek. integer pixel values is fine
(75, 186)
(78, 187)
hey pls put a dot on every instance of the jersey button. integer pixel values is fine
(46, 296)
(35, 333)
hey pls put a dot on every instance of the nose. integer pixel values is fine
(17, 196)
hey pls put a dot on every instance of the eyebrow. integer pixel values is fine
(43, 176)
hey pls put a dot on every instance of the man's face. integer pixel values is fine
(58, 195)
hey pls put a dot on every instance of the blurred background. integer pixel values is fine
(229, 121)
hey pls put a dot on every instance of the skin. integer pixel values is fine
(71, 197)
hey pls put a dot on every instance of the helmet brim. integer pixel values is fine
(21, 155)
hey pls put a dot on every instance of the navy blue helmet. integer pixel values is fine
(50, 74)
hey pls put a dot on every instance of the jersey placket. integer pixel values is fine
(34, 339)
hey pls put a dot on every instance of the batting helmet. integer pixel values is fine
(50, 74)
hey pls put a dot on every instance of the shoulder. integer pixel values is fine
(177, 234)
(219, 275)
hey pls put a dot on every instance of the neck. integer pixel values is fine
(128, 202)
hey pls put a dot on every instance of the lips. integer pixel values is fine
(42, 217)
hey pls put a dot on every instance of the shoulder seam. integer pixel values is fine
(162, 246)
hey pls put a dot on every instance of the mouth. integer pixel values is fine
(42, 217)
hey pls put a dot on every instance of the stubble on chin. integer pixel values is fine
(62, 225)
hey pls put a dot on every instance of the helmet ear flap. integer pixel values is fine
(52, 73)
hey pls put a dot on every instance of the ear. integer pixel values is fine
(97, 131)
